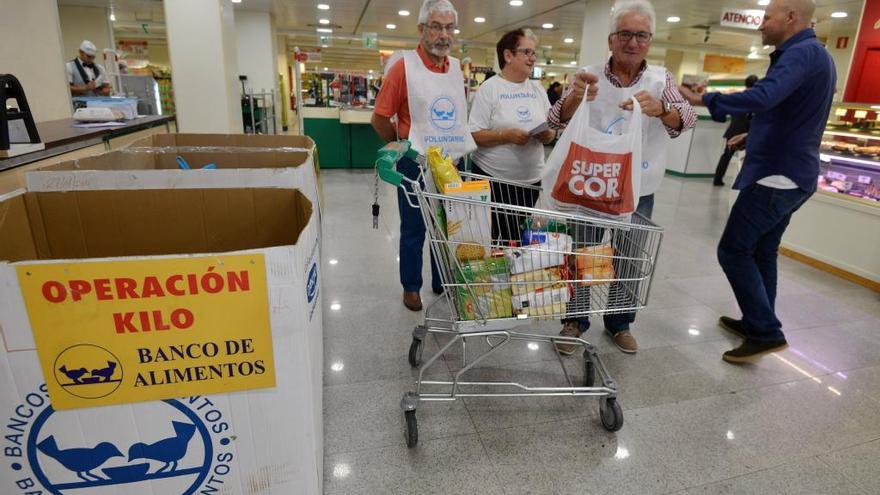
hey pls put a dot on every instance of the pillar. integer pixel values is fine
(594, 35)
(257, 54)
(38, 65)
(202, 47)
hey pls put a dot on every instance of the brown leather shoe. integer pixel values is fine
(625, 342)
(412, 301)
(569, 329)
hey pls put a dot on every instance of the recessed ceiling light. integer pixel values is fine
(325, 30)
(324, 46)
(325, 68)
(323, 21)
(236, 1)
(839, 15)
(515, 3)
(403, 13)
(371, 71)
(673, 18)
(479, 19)
(551, 74)
(391, 26)
(573, 62)
(569, 40)
(763, 2)
(323, 6)
(547, 25)
(458, 31)
(112, 16)
(875, 107)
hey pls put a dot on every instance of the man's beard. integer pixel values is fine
(439, 49)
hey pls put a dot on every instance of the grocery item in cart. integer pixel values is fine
(544, 301)
(588, 257)
(522, 283)
(483, 289)
(538, 256)
(442, 168)
(465, 222)
(595, 275)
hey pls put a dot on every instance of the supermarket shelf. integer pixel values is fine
(853, 134)
(827, 156)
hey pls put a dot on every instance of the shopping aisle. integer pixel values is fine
(805, 420)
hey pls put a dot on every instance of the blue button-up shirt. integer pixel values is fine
(790, 107)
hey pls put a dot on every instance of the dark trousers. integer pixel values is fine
(412, 235)
(723, 162)
(748, 251)
(616, 322)
(506, 227)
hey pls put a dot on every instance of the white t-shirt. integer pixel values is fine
(501, 104)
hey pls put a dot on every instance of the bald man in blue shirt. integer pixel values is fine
(790, 107)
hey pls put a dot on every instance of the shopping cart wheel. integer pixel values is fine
(412, 429)
(415, 353)
(589, 371)
(611, 414)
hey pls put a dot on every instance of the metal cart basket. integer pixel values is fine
(505, 266)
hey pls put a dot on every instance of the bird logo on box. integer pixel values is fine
(88, 371)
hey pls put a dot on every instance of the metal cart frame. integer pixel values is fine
(636, 245)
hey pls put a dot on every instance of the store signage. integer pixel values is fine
(743, 19)
(134, 49)
(311, 55)
(725, 65)
(371, 41)
(117, 332)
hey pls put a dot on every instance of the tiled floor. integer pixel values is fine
(804, 421)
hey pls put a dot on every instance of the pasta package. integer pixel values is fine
(531, 302)
(522, 283)
(538, 256)
(489, 295)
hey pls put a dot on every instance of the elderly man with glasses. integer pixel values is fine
(425, 90)
(626, 74)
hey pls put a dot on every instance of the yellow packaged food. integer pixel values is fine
(593, 256)
(442, 168)
(522, 283)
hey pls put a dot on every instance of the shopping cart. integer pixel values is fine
(580, 266)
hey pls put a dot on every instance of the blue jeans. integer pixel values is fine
(412, 235)
(748, 250)
(617, 322)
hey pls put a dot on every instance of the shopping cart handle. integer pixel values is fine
(388, 171)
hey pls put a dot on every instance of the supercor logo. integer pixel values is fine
(174, 447)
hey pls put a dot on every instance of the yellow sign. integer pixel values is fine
(117, 332)
(724, 65)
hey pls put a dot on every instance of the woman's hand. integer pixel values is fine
(516, 136)
(547, 136)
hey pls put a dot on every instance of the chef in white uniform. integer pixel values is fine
(86, 78)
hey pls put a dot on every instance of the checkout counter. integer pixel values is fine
(343, 135)
(64, 142)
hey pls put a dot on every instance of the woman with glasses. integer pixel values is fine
(505, 111)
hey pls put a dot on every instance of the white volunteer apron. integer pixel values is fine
(607, 116)
(437, 107)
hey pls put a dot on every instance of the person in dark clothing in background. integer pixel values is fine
(554, 92)
(739, 124)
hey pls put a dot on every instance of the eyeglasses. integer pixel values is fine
(642, 36)
(437, 28)
(528, 52)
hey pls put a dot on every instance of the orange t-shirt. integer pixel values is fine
(393, 96)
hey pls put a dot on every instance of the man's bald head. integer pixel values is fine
(785, 18)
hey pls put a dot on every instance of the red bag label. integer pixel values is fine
(598, 181)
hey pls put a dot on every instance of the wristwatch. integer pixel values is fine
(667, 107)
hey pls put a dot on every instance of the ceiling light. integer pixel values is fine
(551, 74)
(325, 30)
(515, 3)
(323, 21)
(371, 71)
(112, 16)
(763, 2)
(569, 40)
(323, 6)
(839, 15)
(334, 261)
(335, 306)
(673, 18)
(337, 366)
(325, 68)
(479, 19)
(324, 46)
(390, 26)
(236, 1)
(458, 31)
(547, 25)
(403, 13)
(573, 62)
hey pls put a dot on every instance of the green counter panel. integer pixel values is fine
(333, 141)
(364, 145)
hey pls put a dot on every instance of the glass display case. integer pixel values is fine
(850, 152)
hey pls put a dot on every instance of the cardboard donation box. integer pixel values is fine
(160, 341)
(215, 142)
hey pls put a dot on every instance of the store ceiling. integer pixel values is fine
(349, 19)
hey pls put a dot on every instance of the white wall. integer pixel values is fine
(30, 49)
(83, 23)
(842, 57)
(201, 44)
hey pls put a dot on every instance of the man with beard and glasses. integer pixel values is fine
(425, 90)
(790, 108)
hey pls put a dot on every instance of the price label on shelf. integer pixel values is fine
(864, 179)
(836, 175)
(861, 114)
(840, 112)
